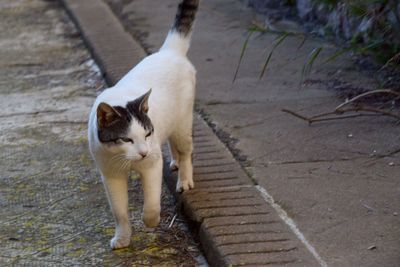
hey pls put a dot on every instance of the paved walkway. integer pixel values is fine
(339, 181)
(53, 209)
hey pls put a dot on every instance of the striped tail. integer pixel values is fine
(179, 36)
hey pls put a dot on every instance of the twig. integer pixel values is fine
(172, 221)
(296, 115)
(344, 117)
(380, 91)
(392, 153)
(324, 114)
(316, 118)
(319, 117)
(339, 109)
(395, 58)
(373, 110)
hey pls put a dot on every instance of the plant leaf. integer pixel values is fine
(278, 41)
(309, 63)
(303, 40)
(337, 54)
(257, 28)
(244, 47)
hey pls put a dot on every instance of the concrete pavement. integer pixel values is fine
(339, 180)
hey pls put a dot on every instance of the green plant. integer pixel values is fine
(277, 42)
(309, 63)
(381, 40)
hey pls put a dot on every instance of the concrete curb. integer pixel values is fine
(111, 46)
(236, 225)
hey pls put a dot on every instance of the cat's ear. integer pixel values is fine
(106, 114)
(144, 102)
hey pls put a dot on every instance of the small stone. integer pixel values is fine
(395, 213)
(391, 163)
(350, 135)
(371, 247)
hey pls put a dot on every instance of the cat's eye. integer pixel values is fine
(126, 140)
(148, 134)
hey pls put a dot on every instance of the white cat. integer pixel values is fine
(129, 122)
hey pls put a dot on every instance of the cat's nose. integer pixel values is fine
(143, 154)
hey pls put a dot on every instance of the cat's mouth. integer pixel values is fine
(142, 158)
(138, 158)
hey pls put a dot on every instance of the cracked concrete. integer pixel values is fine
(53, 209)
(333, 170)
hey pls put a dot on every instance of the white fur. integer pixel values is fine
(171, 77)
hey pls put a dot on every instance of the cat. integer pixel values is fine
(151, 105)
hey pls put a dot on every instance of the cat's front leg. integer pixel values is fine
(152, 183)
(116, 186)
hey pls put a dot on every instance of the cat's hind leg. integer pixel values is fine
(173, 165)
(116, 186)
(183, 143)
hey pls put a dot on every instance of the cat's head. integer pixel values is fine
(126, 131)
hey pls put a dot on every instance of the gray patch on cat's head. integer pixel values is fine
(138, 108)
(113, 122)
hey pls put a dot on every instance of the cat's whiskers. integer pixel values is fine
(115, 158)
(122, 165)
(127, 164)
(118, 162)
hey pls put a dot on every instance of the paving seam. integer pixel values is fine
(256, 241)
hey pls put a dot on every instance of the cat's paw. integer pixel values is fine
(173, 166)
(119, 242)
(151, 219)
(182, 186)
